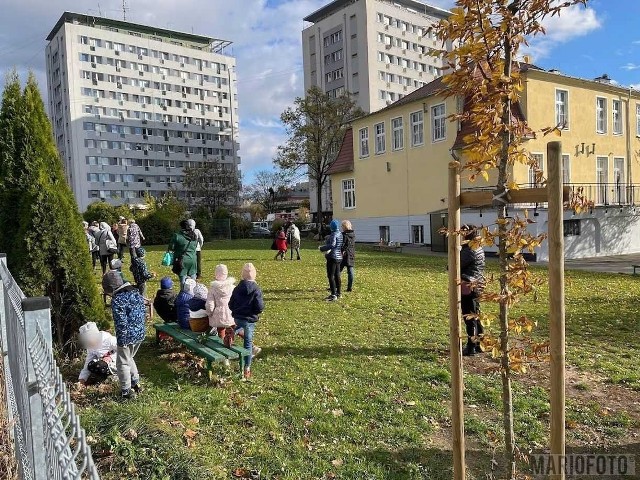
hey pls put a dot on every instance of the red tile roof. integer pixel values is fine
(344, 161)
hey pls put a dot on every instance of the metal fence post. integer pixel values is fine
(37, 313)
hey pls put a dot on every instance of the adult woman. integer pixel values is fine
(293, 235)
(107, 245)
(472, 275)
(183, 245)
(134, 238)
(199, 245)
(348, 252)
(123, 229)
(333, 253)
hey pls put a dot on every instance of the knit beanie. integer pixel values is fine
(116, 264)
(249, 272)
(222, 272)
(166, 283)
(334, 225)
(189, 285)
(200, 291)
(140, 252)
(88, 334)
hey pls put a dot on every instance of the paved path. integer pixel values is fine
(611, 264)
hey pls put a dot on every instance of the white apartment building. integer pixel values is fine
(133, 105)
(375, 49)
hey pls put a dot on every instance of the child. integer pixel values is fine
(182, 303)
(246, 305)
(140, 271)
(281, 245)
(101, 354)
(199, 300)
(129, 313)
(115, 272)
(220, 317)
(165, 301)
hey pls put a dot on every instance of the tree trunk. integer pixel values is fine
(319, 186)
(507, 395)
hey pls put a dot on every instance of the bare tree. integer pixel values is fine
(212, 185)
(268, 189)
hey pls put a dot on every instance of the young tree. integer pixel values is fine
(316, 126)
(47, 251)
(268, 189)
(213, 185)
(487, 36)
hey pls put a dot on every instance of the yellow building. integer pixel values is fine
(390, 179)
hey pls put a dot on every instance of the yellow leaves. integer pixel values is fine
(485, 175)
(189, 437)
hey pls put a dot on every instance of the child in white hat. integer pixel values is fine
(101, 347)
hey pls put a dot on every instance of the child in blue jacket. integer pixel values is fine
(246, 305)
(333, 253)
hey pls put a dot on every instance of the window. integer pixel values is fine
(397, 128)
(438, 122)
(602, 178)
(616, 109)
(349, 194)
(566, 169)
(385, 234)
(539, 159)
(417, 232)
(571, 227)
(562, 109)
(364, 142)
(380, 140)
(619, 180)
(417, 129)
(601, 115)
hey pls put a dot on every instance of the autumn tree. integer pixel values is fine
(315, 126)
(212, 185)
(268, 189)
(487, 38)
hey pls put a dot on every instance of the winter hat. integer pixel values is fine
(88, 334)
(116, 264)
(166, 283)
(104, 226)
(334, 225)
(222, 272)
(141, 252)
(249, 272)
(85, 225)
(191, 223)
(112, 281)
(189, 285)
(200, 291)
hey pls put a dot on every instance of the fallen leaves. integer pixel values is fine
(189, 437)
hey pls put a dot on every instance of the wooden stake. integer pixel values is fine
(455, 317)
(556, 304)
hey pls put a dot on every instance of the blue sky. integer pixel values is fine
(605, 38)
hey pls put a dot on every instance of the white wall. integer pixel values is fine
(368, 229)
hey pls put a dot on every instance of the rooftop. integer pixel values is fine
(344, 161)
(92, 20)
(338, 5)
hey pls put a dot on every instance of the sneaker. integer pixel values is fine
(349, 290)
(129, 394)
(331, 298)
(137, 388)
(229, 336)
(246, 374)
(255, 352)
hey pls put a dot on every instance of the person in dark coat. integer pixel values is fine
(165, 301)
(333, 253)
(183, 244)
(348, 252)
(472, 265)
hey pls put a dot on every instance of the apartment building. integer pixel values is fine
(375, 49)
(133, 105)
(390, 178)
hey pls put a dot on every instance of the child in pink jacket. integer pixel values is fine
(217, 306)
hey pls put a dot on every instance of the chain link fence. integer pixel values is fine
(49, 442)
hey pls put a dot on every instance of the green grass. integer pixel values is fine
(358, 389)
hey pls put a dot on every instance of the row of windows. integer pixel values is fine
(157, 117)
(151, 147)
(333, 38)
(335, 75)
(145, 52)
(407, 63)
(416, 131)
(155, 132)
(336, 92)
(138, 162)
(602, 115)
(164, 87)
(391, 41)
(146, 68)
(128, 178)
(389, 97)
(114, 128)
(403, 25)
(333, 57)
(122, 113)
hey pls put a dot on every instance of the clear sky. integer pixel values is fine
(605, 38)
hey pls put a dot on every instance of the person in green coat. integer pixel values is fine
(183, 245)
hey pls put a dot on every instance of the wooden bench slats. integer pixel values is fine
(218, 341)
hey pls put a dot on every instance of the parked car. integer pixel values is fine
(260, 232)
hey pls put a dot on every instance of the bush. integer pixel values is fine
(102, 211)
(240, 227)
(162, 220)
(277, 224)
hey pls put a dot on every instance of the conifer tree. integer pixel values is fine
(47, 252)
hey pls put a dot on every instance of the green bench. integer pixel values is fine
(212, 350)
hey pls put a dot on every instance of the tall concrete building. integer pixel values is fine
(133, 105)
(375, 49)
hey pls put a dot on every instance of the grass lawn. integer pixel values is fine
(360, 389)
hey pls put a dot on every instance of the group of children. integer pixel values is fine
(231, 310)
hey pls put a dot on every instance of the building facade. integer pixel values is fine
(375, 49)
(393, 185)
(132, 106)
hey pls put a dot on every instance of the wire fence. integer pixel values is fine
(49, 442)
